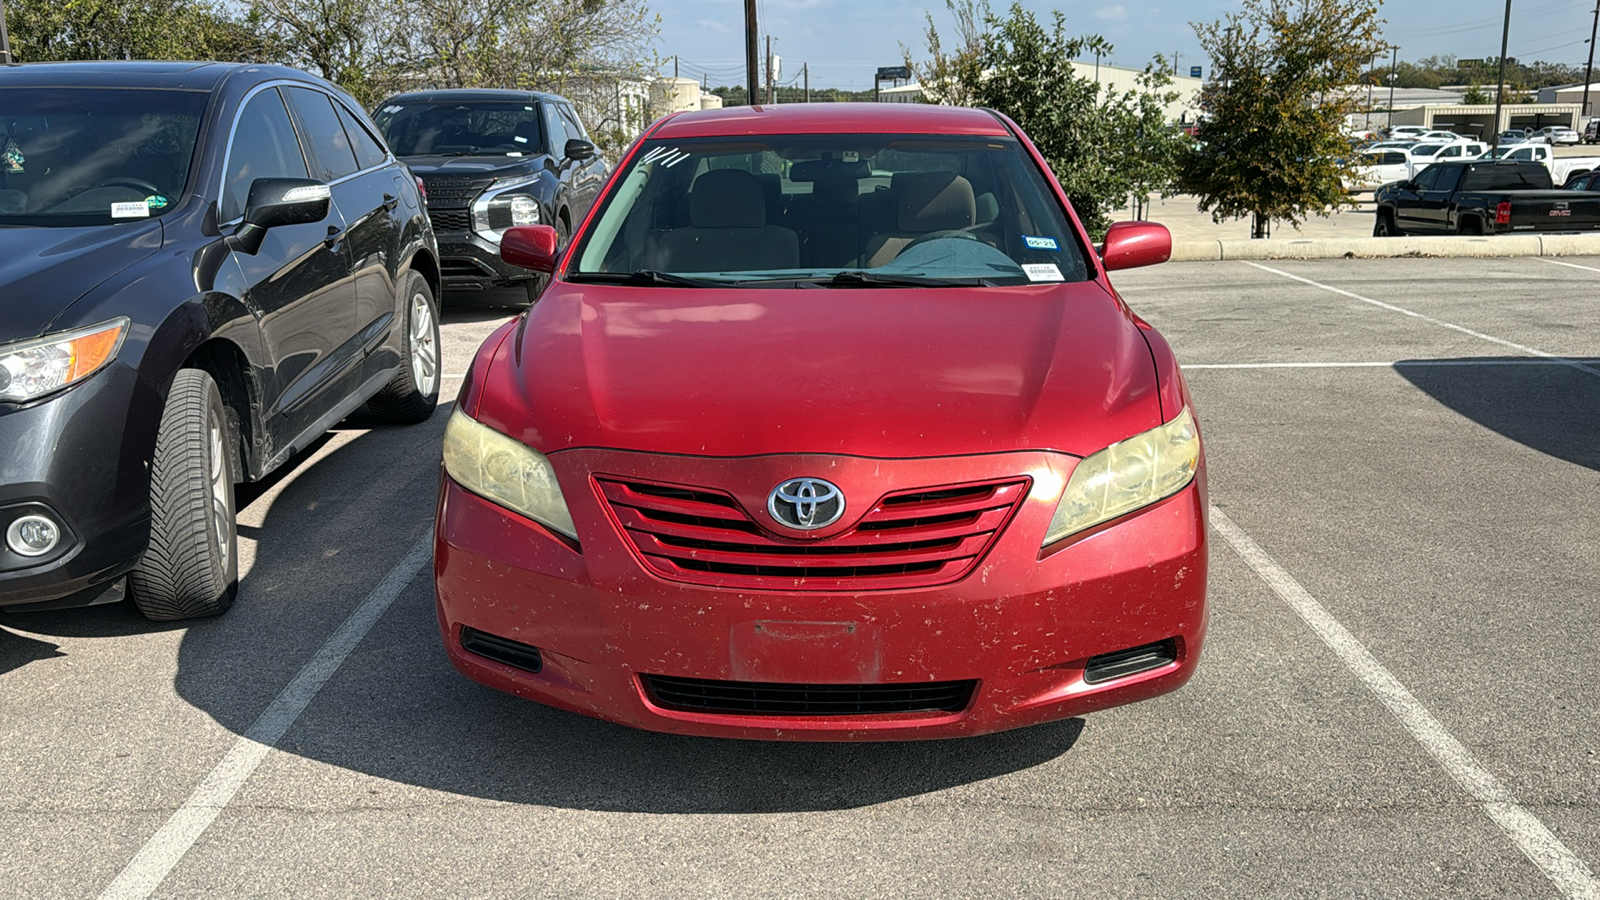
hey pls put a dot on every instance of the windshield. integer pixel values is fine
(837, 210)
(1426, 149)
(94, 156)
(456, 128)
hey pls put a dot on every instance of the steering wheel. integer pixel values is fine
(136, 183)
(960, 234)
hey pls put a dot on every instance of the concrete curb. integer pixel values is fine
(1380, 248)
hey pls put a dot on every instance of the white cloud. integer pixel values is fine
(1113, 13)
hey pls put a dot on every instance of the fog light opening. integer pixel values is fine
(33, 536)
(501, 650)
(1132, 661)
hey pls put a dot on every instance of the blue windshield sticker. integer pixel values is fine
(1041, 243)
(13, 158)
(156, 201)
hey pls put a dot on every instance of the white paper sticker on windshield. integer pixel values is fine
(520, 139)
(513, 152)
(138, 209)
(392, 109)
(1042, 272)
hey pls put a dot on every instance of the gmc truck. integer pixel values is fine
(1483, 197)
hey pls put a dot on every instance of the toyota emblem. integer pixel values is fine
(806, 504)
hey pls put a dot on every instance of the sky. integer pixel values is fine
(845, 41)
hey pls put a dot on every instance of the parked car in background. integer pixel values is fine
(1554, 134)
(1512, 137)
(678, 495)
(1446, 136)
(206, 266)
(492, 160)
(1561, 167)
(1583, 181)
(1380, 167)
(1482, 197)
(1421, 156)
(1591, 132)
(1407, 132)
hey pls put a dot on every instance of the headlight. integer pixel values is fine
(505, 471)
(31, 369)
(499, 208)
(1128, 475)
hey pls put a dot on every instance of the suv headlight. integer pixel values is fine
(506, 472)
(501, 206)
(1128, 475)
(31, 369)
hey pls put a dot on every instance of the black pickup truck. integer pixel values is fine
(1483, 197)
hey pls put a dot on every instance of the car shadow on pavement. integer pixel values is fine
(17, 650)
(1547, 405)
(482, 306)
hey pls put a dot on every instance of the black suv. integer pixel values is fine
(491, 159)
(202, 268)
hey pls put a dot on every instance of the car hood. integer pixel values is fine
(889, 373)
(43, 271)
(498, 166)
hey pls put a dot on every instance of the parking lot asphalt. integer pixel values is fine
(1399, 697)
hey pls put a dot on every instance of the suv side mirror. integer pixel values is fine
(578, 150)
(274, 202)
(1130, 245)
(530, 247)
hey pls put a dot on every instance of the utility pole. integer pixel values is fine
(1588, 70)
(1174, 63)
(1500, 92)
(1394, 75)
(5, 40)
(805, 69)
(769, 70)
(674, 66)
(750, 52)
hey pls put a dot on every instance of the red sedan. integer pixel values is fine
(829, 426)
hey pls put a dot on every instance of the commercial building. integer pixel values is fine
(1118, 79)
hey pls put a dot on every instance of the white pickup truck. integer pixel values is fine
(1561, 167)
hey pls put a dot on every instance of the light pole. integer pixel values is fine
(1394, 75)
(5, 40)
(1588, 70)
(1500, 91)
(752, 66)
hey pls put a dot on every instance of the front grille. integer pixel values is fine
(453, 191)
(751, 698)
(908, 539)
(450, 219)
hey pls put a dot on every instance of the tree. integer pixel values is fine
(1475, 96)
(1271, 137)
(1102, 145)
(50, 31)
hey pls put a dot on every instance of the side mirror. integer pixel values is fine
(530, 247)
(578, 150)
(274, 202)
(1130, 245)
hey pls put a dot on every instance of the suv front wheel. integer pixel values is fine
(191, 567)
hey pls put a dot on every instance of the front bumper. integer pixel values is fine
(469, 263)
(1023, 624)
(82, 456)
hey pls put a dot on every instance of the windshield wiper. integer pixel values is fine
(853, 278)
(644, 276)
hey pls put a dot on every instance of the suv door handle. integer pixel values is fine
(390, 201)
(335, 233)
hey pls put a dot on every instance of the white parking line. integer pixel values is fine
(1430, 319)
(1557, 262)
(1399, 363)
(1564, 869)
(141, 877)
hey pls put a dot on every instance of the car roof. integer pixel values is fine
(832, 118)
(198, 76)
(465, 95)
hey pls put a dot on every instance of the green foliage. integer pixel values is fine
(52, 30)
(1475, 96)
(1438, 71)
(1271, 139)
(1101, 145)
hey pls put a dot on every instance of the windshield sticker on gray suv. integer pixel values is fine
(138, 209)
(665, 157)
(1041, 243)
(13, 158)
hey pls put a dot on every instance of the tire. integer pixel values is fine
(1384, 226)
(410, 397)
(1470, 226)
(191, 568)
